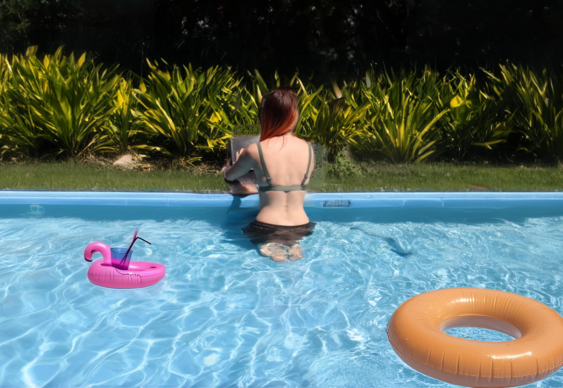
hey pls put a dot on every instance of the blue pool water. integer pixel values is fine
(226, 316)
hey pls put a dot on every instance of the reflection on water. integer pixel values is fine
(224, 315)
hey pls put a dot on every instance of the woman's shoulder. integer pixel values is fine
(303, 142)
(275, 143)
(252, 149)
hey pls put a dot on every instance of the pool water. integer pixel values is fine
(226, 316)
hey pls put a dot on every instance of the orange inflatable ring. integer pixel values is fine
(416, 333)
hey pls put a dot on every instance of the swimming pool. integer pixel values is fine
(226, 316)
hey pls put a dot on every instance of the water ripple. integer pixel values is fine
(225, 316)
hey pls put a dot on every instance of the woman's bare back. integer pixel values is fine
(286, 158)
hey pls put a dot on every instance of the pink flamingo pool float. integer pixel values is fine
(120, 273)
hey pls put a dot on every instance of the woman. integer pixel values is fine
(283, 164)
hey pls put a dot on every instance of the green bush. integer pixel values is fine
(473, 118)
(65, 106)
(401, 116)
(183, 112)
(344, 167)
(535, 101)
(58, 105)
(123, 126)
(18, 136)
(332, 119)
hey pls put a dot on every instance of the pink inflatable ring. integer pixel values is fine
(139, 273)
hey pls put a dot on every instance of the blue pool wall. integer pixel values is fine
(461, 200)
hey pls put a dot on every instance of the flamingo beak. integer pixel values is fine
(89, 259)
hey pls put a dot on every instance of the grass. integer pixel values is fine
(452, 177)
(419, 177)
(82, 176)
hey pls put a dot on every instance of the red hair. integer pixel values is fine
(278, 113)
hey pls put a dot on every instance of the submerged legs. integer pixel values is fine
(280, 252)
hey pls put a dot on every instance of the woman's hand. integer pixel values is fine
(226, 167)
(242, 189)
(230, 163)
(239, 172)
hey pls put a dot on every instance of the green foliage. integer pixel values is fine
(246, 102)
(332, 119)
(123, 126)
(401, 118)
(183, 112)
(536, 103)
(244, 108)
(328, 37)
(338, 37)
(343, 167)
(247, 130)
(60, 104)
(4, 69)
(308, 108)
(320, 171)
(474, 118)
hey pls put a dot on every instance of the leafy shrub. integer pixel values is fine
(535, 101)
(58, 105)
(334, 120)
(18, 133)
(123, 126)
(401, 116)
(246, 130)
(248, 98)
(343, 167)
(182, 112)
(473, 118)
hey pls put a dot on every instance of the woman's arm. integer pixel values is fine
(244, 163)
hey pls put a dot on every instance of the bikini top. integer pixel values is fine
(271, 187)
